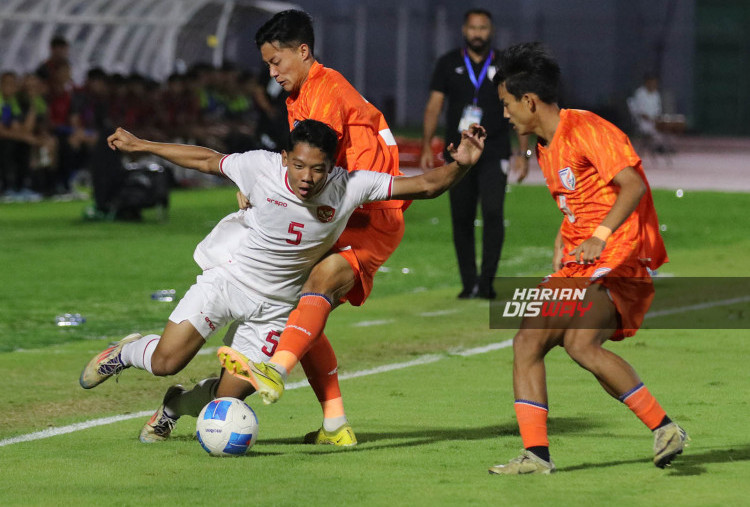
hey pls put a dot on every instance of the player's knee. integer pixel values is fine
(331, 277)
(582, 352)
(528, 342)
(163, 364)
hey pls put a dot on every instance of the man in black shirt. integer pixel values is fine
(463, 77)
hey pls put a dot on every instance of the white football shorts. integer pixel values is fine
(213, 302)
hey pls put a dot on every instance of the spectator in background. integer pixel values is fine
(59, 50)
(178, 109)
(59, 100)
(646, 108)
(240, 114)
(270, 100)
(37, 123)
(89, 110)
(15, 144)
(463, 79)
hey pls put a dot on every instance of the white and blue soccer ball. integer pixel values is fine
(227, 427)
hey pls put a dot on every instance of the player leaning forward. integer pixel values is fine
(608, 237)
(255, 261)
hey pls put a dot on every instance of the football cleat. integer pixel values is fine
(105, 364)
(341, 437)
(267, 382)
(160, 426)
(669, 441)
(526, 463)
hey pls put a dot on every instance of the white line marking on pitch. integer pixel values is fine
(699, 306)
(437, 313)
(426, 359)
(368, 323)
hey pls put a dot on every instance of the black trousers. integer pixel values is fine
(483, 184)
(15, 160)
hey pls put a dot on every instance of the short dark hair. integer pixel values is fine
(58, 41)
(479, 12)
(316, 134)
(97, 73)
(289, 28)
(529, 68)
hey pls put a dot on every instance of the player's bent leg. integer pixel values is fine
(161, 424)
(329, 281)
(105, 364)
(266, 380)
(530, 346)
(321, 369)
(178, 345)
(233, 387)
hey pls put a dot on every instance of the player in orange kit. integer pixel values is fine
(608, 238)
(287, 43)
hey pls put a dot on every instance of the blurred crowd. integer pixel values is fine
(53, 130)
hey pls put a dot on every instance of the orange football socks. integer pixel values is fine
(321, 369)
(644, 405)
(303, 327)
(532, 421)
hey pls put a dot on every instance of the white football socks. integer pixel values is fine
(139, 352)
(334, 423)
(282, 371)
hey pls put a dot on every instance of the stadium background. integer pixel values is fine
(387, 49)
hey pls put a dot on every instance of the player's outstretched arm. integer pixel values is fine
(433, 183)
(191, 157)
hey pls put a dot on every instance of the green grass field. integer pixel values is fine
(425, 439)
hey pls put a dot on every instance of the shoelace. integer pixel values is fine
(111, 367)
(164, 425)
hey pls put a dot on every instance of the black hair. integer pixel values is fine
(289, 28)
(58, 41)
(480, 12)
(96, 73)
(316, 134)
(529, 68)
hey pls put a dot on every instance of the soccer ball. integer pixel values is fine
(227, 427)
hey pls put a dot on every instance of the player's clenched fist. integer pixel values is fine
(123, 140)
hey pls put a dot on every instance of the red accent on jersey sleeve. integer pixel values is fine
(221, 165)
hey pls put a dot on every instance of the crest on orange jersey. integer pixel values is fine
(567, 178)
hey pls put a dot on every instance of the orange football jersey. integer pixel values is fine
(578, 164)
(365, 141)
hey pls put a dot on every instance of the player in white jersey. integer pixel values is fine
(255, 261)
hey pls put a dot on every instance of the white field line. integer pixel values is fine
(426, 359)
(368, 323)
(438, 313)
(699, 306)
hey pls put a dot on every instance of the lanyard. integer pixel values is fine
(477, 82)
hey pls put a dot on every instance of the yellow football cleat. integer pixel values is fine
(267, 382)
(341, 437)
(105, 364)
(669, 441)
(526, 463)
